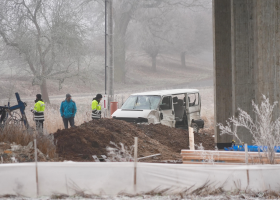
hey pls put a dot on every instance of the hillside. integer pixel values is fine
(139, 77)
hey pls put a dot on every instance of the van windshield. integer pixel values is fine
(141, 102)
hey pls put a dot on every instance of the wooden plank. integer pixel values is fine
(222, 156)
(235, 153)
(225, 156)
(216, 158)
(193, 162)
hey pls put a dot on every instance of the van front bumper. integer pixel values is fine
(133, 120)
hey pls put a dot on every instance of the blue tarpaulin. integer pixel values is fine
(252, 148)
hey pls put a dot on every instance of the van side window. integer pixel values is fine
(166, 103)
(193, 99)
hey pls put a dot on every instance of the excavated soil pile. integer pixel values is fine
(206, 138)
(176, 139)
(92, 138)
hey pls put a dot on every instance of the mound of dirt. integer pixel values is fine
(92, 138)
(206, 138)
(175, 139)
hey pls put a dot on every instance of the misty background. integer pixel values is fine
(57, 46)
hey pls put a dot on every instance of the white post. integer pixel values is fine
(246, 160)
(35, 152)
(105, 105)
(135, 161)
(191, 138)
(246, 154)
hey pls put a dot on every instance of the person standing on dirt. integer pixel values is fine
(38, 111)
(68, 111)
(96, 107)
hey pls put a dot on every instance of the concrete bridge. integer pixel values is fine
(246, 58)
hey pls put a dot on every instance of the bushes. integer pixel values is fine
(265, 131)
(17, 134)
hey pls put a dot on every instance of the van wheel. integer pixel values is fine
(195, 127)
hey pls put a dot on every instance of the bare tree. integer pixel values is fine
(184, 33)
(155, 32)
(193, 34)
(46, 36)
(125, 11)
(265, 131)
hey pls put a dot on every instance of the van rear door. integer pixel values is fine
(167, 116)
(194, 105)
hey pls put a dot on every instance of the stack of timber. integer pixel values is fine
(225, 157)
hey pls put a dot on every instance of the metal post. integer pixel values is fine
(36, 167)
(135, 161)
(111, 51)
(105, 46)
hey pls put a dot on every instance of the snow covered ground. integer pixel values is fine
(156, 197)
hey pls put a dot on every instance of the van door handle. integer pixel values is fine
(172, 112)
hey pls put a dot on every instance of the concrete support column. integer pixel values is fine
(222, 63)
(267, 29)
(243, 91)
(246, 58)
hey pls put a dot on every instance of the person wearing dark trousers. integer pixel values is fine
(68, 111)
(96, 107)
(38, 111)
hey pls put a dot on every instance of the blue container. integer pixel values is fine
(251, 148)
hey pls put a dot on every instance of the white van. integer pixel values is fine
(174, 108)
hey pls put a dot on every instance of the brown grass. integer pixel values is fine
(47, 146)
(19, 135)
(16, 134)
(53, 120)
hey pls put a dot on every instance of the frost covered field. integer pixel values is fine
(227, 196)
(53, 120)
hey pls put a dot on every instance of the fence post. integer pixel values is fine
(36, 167)
(246, 154)
(246, 160)
(135, 161)
(191, 138)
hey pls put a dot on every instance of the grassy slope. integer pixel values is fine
(140, 77)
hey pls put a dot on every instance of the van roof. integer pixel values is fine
(168, 92)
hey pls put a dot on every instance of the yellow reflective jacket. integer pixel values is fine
(96, 109)
(39, 109)
(39, 106)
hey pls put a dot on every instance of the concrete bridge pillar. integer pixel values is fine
(246, 58)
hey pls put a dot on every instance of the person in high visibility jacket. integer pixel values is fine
(96, 107)
(38, 111)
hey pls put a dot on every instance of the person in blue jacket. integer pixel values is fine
(68, 111)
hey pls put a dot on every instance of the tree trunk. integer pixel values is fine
(119, 58)
(183, 59)
(121, 24)
(154, 63)
(44, 91)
